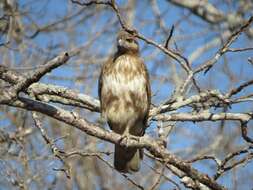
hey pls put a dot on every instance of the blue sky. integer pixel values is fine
(48, 11)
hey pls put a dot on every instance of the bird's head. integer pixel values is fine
(127, 42)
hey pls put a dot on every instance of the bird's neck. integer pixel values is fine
(126, 52)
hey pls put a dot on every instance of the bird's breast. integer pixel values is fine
(126, 76)
(124, 94)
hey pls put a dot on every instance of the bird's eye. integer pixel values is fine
(129, 40)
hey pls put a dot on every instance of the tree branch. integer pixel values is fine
(151, 145)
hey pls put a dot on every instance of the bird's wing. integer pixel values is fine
(148, 93)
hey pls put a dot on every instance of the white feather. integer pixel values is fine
(121, 86)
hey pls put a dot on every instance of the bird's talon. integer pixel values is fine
(123, 140)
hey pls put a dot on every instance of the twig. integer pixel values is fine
(163, 175)
(85, 154)
(40, 72)
(75, 120)
(11, 94)
(239, 49)
(223, 168)
(175, 55)
(239, 88)
(124, 175)
(153, 187)
(184, 179)
(41, 91)
(244, 132)
(169, 37)
(236, 153)
(55, 150)
(218, 162)
(250, 59)
(209, 64)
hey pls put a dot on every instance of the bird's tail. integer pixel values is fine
(127, 159)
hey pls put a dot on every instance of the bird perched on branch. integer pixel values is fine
(124, 92)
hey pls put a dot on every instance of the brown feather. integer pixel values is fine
(124, 92)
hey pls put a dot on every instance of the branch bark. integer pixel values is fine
(146, 142)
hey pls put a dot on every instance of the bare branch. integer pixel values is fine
(34, 77)
(209, 64)
(239, 88)
(205, 117)
(75, 120)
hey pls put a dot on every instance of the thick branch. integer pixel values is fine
(205, 117)
(151, 145)
(25, 82)
(48, 92)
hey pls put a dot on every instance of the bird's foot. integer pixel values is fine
(136, 138)
(125, 139)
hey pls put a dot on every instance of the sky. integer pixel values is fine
(47, 11)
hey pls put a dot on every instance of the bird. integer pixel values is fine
(125, 96)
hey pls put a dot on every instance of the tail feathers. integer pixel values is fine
(127, 159)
